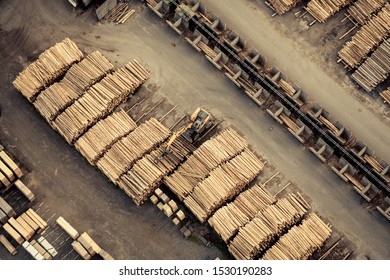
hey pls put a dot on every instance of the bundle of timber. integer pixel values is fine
(375, 69)
(147, 173)
(386, 95)
(362, 10)
(51, 64)
(367, 37)
(99, 100)
(301, 241)
(228, 219)
(287, 87)
(289, 122)
(119, 14)
(208, 156)
(104, 134)
(87, 72)
(257, 235)
(321, 10)
(283, 6)
(222, 184)
(121, 156)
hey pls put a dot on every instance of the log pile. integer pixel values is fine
(386, 95)
(98, 101)
(289, 122)
(321, 10)
(50, 65)
(52, 101)
(122, 155)
(227, 220)
(119, 14)
(222, 184)
(257, 235)
(207, 50)
(103, 135)
(366, 38)
(283, 6)
(147, 173)
(287, 87)
(375, 69)
(208, 156)
(374, 163)
(301, 241)
(362, 10)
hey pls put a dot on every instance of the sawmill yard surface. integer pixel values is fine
(69, 186)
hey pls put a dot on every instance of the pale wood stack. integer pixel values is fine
(228, 219)
(208, 156)
(104, 134)
(321, 10)
(257, 235)
(289, 122)
(375, 69)
(123, 154)
(362, 10)
(386, 95)
(50, 65)
(79, 77)
(301, 241)
(147, 173)
(366, 38)
(99, 100)
(287, 87)
(223, 183)
(119, 14)
(283, 6)
(207, 50)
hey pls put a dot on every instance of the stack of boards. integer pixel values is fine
(283, 6)
(9, 170)
(362, 10)
(386, 95)
(321, 10)
(83, 244)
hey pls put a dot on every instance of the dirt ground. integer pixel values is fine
(73, 189)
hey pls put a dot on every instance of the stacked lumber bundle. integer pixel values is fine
(375, 69)
(50, 65)
(208, 156)
(300, 242)
(99, 100)
(207, 50)
(283, 6)
(289, 122)
(147, 173)
(321, 10)
(104, 134)
(366, 38)
(119, 14)
(362, 10)
(373, 163)
(257, 235)
(222, 184)
(287, 87)
(386, 95)
(227, 220)
(9, 170)
(122, 155)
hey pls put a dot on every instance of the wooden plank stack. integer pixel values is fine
(104, 134)
(366, 38)
(208, 156)
(227, 220)
(147, 173)
(301, 241)
(123, 154)
(119, 14)
(375, 69)
(223, 183)
(386, 95)
(321, 10)
(362, 10)
(283, 6)
(257, 235)
(99, 100)
(50, 65)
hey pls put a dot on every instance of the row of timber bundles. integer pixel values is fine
(50, 65)
(321, 10)
(80, 76)
(386, 95)
(148, 172)
(222, 184)
(124, 153)
(257, 235)
(207, 157)
(362, 10)
(283, 6)
(366, 38)
(301, 241)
